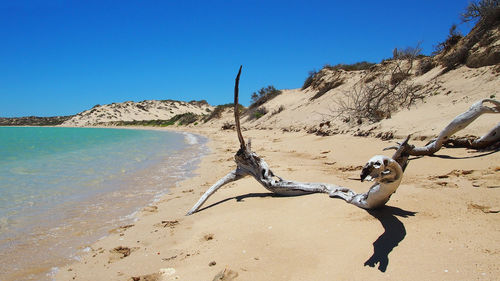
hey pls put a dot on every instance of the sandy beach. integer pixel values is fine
(442, 224)
(317, 89)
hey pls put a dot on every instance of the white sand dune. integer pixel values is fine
(136, 111)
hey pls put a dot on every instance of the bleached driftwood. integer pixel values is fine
(457, 124)
(383, 170)
(387, 175)
(490, 139)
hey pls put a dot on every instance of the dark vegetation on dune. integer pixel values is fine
(34, 121)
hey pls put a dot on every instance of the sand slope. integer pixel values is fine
(451, 94)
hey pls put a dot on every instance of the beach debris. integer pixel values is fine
(208, 237)
(147, 277)
(386, 172)
(169, 258)
(226, 275)
(124, 251)
(169, 223)
(151, 209)
(157, 276)
(120, 252)
(212, 263)
(350, 168)
(484, 209)
(121, 228)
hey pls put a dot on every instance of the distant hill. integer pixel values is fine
(34, 121)
(130, 112)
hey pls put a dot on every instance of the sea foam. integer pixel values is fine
(190, 138)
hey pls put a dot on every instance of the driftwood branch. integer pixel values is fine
(490, 139)
(384, 171)
(458, 123)
(237, 109)
(401, 155)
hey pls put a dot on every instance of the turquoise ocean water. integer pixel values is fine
(63, 188)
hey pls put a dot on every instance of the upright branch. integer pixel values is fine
(401, 155)
(384, 171)
(237, 110)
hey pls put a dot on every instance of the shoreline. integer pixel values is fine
(247, 231)
(75, 246)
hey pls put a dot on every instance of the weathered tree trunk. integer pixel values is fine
(249, 163)
(490, 139)
(457, 124)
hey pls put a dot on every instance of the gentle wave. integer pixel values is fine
(66, 199)
(190, 138)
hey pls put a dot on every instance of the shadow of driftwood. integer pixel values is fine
(241, 198)
(465, 157)
(394, 233)
(394, 229)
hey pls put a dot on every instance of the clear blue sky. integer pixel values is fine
(60, 57)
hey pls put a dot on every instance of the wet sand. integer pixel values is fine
(57, 239)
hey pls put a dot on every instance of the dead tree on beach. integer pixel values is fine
(386, 173)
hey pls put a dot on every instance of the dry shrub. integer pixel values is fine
(399, 77)
(264, 95)
(318, 79)
(363, 65)
(324, 83)
(280, 109)
(327, 87)
(310, 79)
(484, 10)
(455, 58)
(370, 78)
(217, 112)
(228, 126)
(315, 78)
(256, 113)
(424, 66)
(390, 91)
(456, 51)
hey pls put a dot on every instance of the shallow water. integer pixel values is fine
(63, 188)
